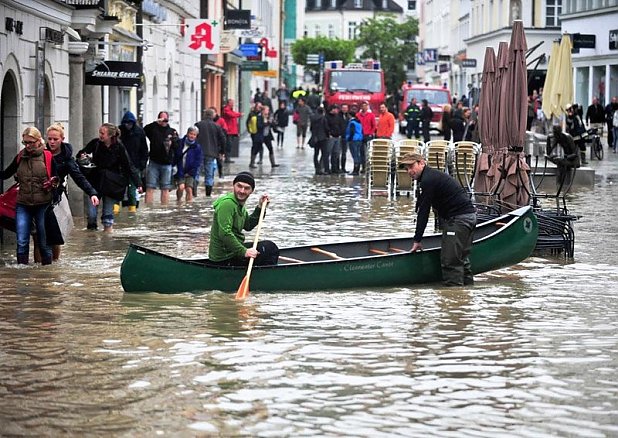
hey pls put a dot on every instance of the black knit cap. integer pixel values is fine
(245, 177)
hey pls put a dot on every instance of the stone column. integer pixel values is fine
(76, 127)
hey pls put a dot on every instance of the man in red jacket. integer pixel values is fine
(231, 119)
(368, 122)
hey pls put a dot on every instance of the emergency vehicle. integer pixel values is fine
(435, 95)
(354, 83)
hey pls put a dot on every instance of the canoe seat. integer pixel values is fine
(332, 255)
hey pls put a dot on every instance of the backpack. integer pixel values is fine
(252, 124)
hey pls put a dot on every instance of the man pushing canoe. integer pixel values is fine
(455, 211)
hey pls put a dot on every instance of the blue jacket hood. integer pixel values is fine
(129, 117)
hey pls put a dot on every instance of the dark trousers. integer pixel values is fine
(268, 255)
(457, 233)
(344, 152)
(426, 136)
(365, 146)
(610, 134)
(413, 129)
(319, 157)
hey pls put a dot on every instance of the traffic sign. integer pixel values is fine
(313, 58)
(254, 65)
(249, 49)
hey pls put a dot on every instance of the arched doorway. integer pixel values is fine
(9, 128)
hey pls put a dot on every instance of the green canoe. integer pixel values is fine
(498, 243)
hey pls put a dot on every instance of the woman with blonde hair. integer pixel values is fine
(35, 172)
(111, 174)
(65, 165)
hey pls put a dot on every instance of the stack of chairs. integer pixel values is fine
(403, 183)
(379, 167)
(437, 154)
(465, 154)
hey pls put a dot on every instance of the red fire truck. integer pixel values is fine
(435, 95)
(354, 84)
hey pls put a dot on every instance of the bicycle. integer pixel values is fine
(592, 136)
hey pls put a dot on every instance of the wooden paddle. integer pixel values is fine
(243, 289)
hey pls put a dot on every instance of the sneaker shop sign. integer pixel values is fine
(115, 73)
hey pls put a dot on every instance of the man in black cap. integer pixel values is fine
(455, 211)
(227, 247)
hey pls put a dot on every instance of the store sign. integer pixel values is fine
(237, 19)
(430, 55)
(468, 63)
(584, 41)
(203, 36)
(115, 73)
(254, 32)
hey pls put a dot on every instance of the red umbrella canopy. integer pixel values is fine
(486, 103)
(518, 81)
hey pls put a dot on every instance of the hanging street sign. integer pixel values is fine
(254, 66)
(115, 73)
(203, 36)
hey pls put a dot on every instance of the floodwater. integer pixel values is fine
(528, 351)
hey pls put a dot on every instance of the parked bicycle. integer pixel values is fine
(596, 147)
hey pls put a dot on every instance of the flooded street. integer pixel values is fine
(528, 351)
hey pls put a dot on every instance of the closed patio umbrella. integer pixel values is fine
(500, 114)
(550, 82)
(516, 189)
(486, 125)
(562, 93)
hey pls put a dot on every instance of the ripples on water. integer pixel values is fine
(529, 351)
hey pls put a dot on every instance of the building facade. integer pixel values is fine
(595, 67)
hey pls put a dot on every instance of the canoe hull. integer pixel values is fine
(502, 242)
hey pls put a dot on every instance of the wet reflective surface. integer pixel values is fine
(529, 351)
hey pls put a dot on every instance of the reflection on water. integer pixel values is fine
(529, 351)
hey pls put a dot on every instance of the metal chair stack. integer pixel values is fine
(379, 167)
(403, 182)
(437, 154)
(464, 162)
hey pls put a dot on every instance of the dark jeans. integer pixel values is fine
(344, 153)
(24, 214)
(335, 154)
(318, 156)
(457, 233)
(355, 150)
(363, 151)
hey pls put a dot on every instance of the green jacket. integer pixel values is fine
(226, 237)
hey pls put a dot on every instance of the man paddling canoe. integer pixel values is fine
(227, 246)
